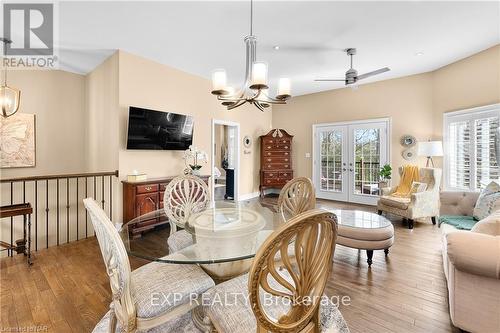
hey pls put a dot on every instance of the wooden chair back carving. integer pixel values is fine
(297, 196)
(117, 267)
(184, 195)
(314, 234)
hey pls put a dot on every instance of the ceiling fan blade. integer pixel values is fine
(378, 71)
(343, 80)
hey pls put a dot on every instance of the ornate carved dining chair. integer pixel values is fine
(269, 299)
(297, 196)
(184, 195)
(149, 296)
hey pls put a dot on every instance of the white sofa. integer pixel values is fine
(471, 261)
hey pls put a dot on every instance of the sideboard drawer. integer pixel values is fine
(147, 188)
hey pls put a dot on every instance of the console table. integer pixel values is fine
(143, 197)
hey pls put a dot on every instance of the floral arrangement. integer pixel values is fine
(193, 157)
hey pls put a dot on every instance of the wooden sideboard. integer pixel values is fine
(275, 159)
(143, 197)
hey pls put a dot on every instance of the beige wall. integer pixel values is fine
(102, 115)
(57, 99)
(414, 103)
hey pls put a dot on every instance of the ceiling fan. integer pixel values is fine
(351, 76)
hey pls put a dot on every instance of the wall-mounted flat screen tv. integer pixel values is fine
(156, 130)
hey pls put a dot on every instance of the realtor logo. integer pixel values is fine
(30, 27)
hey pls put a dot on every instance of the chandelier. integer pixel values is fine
(254, 89)
(9, 97)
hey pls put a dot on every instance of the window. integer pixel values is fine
(470, 160)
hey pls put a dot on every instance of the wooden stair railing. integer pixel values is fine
(52, 197)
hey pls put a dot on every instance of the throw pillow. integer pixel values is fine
(488, 201)
(417, 187)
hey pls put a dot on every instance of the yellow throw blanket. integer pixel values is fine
(410, 175)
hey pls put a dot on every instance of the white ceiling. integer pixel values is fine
(198, 37)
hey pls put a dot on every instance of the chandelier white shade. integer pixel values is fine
(254, 89)
(9, 97)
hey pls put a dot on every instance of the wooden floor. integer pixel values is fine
(66, 290)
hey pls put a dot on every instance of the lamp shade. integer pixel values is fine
(430, 148)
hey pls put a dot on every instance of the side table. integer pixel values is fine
(22, 245)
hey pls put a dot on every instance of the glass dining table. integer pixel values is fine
(224, 237)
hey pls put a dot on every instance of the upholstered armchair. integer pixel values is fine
(418, 205)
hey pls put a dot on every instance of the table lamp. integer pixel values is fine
(430, 149)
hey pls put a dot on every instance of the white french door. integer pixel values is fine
(347, 160)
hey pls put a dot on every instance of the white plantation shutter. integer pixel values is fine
(470, 161)
(459, 152)
(486, 163)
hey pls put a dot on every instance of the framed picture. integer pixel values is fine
(17, 145)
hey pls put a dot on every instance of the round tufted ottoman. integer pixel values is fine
(364, 231)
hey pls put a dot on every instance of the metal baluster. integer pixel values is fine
(111, 198)
(47, 213)
(95, 195)
(102, 191)
(67, 210)
(11, 221)
(77, 211)
(57, 214)
(36, 215)
(86, 213)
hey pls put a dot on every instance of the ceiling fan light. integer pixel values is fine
(9, 100)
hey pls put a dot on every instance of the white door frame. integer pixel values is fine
(237, 162)
(315, 127)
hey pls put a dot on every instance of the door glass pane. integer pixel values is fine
(331, 160)
(367, 160)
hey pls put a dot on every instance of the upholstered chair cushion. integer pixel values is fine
(159, 287)
(182, 324)
(400, 203)
(238, 316)
(488, 201)
(179, 240)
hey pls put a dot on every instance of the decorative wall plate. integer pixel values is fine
(408, 154)
(408, 140)
(247, 142)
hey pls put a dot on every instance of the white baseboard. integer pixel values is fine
(248, 196)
